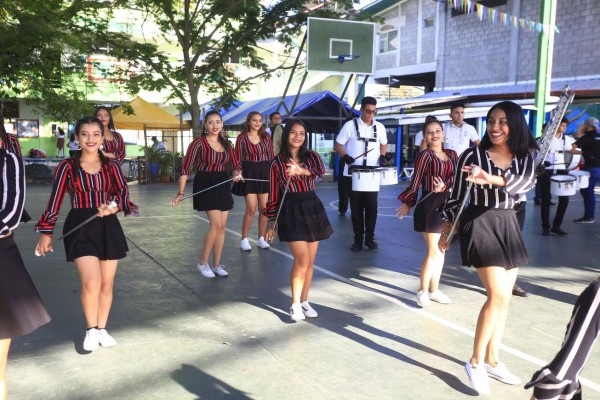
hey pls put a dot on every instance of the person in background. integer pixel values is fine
(73, 145)
(158, 146)
(255, 150)
(588, 145)
(113, 146)
(556, 165)
(212, 156)
(362, 144)
(435, 167)
(60, 143)
(274, 120)
(92, 181)
(458, 133)
(21, 309)
(490, 236)
(275, 130)
(302, 221)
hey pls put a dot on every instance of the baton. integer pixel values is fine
(208, 188)
(287, 185)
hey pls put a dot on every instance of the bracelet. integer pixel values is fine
(444, 234)
(180, 194)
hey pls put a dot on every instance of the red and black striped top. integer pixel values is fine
(86, 191)
(248, 151)
(298, 184)
(115, 146)
(427, 167)
(12, 145)
(12, 191)
(206, 159)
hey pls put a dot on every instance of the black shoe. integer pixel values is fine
(546, 231)
(584, 220)
(356, 246)
(519, 291)
(372, 245)
(342, 214)
(559, 231)
(537, 202)
(552, 203)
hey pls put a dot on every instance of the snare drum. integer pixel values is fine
(583, 178)
(365, 180)
(389, 176)
(563, 185)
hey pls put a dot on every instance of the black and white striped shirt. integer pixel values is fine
(520, 178)
(12, 191)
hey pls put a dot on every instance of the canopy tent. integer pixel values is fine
(187, 116)
(321, 111)
(145, 116)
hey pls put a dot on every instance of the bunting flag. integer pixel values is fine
(498, 17)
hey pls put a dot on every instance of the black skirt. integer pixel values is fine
(217, 198)
(303, 219)
(253, 170)
(427, 218)
(21, 309)
(491, 237)
(102, 237)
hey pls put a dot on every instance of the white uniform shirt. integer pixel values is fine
(556, 155)
(354, 146)
(418, 139)
(459, 138)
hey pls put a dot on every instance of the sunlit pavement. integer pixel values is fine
(182, 336)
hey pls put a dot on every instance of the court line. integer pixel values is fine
(391, 299)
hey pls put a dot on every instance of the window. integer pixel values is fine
(388, 41)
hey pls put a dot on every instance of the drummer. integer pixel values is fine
(556, 163)
(357, 137)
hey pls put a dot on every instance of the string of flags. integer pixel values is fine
(498, 17)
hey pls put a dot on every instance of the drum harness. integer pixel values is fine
(365, 139)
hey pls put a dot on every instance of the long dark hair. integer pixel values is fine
(3, 133)
(519, 137)
(262, 131)
(224, 142)
(78, 125)
(111, 124)
(303, 153)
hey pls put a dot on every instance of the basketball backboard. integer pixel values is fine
(337, 46)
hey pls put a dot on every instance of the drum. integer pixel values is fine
(389, 176)
(563, 185)
(583, 178)
(365, 180)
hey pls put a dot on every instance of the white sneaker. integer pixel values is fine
(501, 373)
(220, 271)
(478, 378)
(308, 310)
(91, 340)
(262, 243)
(423, 298)
(439, 297)
(296, 312)
(205, 270)
(106, 340)
(245, 244)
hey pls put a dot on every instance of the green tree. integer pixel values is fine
(45, 44)
(206, 33)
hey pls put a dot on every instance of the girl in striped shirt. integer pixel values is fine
(21, 309)
(435, 168)
(255, 150)
(213, 157)
(490, 236)
(302, 220)
(113, 146)
(92, 181)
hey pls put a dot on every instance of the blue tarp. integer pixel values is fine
(319, 110)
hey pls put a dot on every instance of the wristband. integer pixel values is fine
(180, 194)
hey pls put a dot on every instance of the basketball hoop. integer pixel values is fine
(347, 57)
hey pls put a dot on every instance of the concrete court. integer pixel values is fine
(181, 336)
